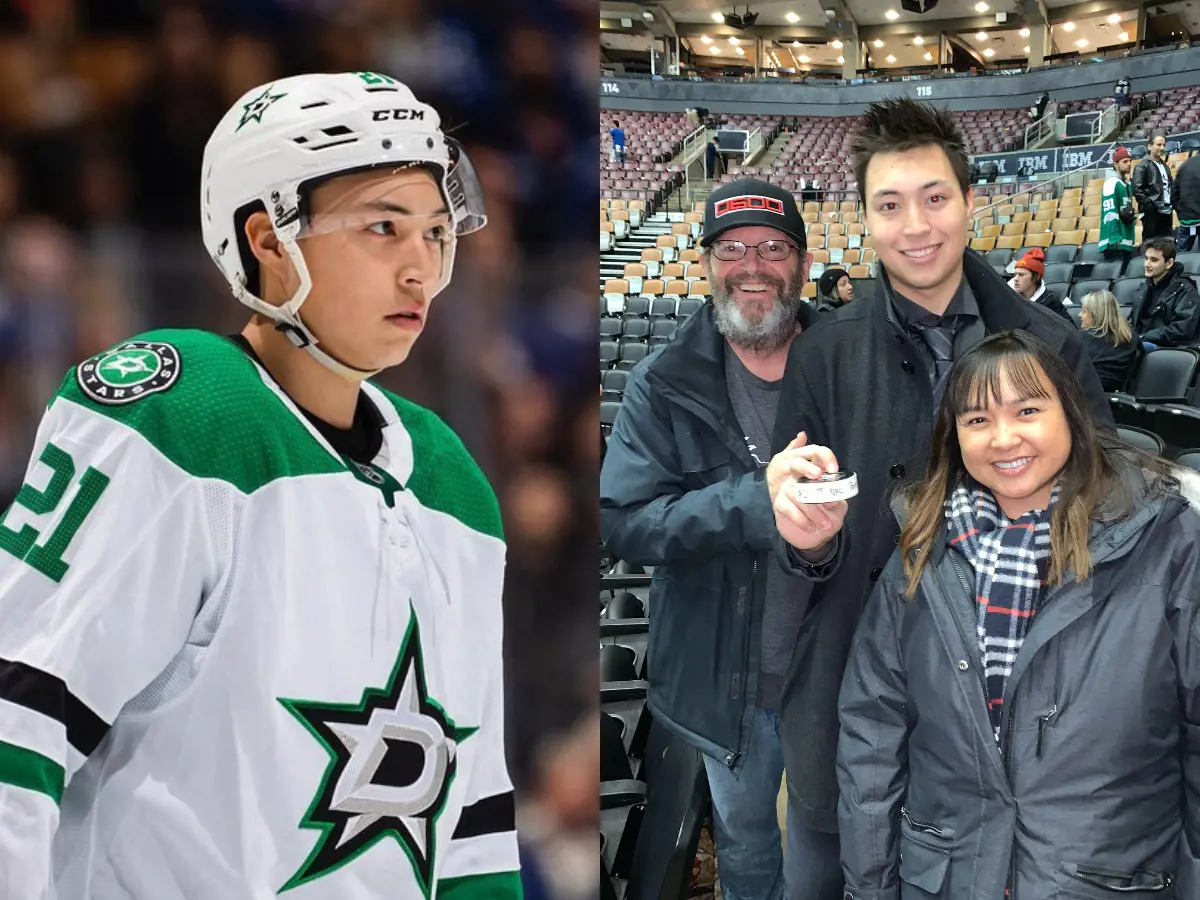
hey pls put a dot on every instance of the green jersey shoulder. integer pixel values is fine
(445, 476)
(202, 402)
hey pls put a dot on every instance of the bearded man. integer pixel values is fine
(683, 489)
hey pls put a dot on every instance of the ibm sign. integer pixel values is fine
(1084, 159)
(1042, 162)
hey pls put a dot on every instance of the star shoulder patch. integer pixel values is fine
(129, 372)
(393, 757)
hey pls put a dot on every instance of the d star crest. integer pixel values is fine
(253, 111)
(393, 757)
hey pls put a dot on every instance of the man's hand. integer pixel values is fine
(801, 461)
(806, 526)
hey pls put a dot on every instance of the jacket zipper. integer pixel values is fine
(731, 760)
(733, 442)
(1006, 753)
(923, 827)
(1010, 891)
(1043, 721)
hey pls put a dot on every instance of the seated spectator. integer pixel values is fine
(834, 290)
(1168, 311)
(1109, 339)
(1027, 281)
(1022, 701)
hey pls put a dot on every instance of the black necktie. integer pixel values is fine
(940, 341)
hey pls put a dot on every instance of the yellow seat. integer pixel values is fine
(1068, 237)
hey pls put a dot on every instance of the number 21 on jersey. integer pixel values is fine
(47, 556)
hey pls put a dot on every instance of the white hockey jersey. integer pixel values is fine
(236, 665)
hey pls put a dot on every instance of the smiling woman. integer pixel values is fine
(1038, 562)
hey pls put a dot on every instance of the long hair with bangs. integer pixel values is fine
(1092, 483)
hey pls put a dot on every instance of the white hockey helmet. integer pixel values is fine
(280, 139)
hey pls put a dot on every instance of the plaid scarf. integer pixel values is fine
(1010, 560)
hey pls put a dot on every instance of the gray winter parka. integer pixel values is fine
(1095, 791)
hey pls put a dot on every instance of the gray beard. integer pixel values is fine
(772, 332)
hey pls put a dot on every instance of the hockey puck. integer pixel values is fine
(828, 488)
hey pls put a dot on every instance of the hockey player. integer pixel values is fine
(250, 623)
(1117, 215)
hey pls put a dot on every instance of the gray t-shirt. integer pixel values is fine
(755, 403)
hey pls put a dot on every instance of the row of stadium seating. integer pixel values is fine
(653, 788)
(1175, 110)
(649, 137)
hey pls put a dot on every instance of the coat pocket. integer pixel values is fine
(923, 864)
(1086, 882)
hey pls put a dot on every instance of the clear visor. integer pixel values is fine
(438, 212)
(464, 191)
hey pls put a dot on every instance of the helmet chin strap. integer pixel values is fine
(288, 322)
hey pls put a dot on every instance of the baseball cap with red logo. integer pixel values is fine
(751, 202)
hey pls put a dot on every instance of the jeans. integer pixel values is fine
(1184, 239)
(750, 859)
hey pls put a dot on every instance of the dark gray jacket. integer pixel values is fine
(857, 385)
(1173, 318)
(680, 491)
(1097, 788)
(1187, 191)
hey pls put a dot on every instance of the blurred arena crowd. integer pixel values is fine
(105, 107)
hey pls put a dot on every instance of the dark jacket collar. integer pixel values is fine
(1000, 307)
(1169, 280)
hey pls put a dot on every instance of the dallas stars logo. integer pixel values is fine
(253, 111)
(129, 372)
(393, 757)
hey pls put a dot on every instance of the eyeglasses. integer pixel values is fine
(772, 251)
